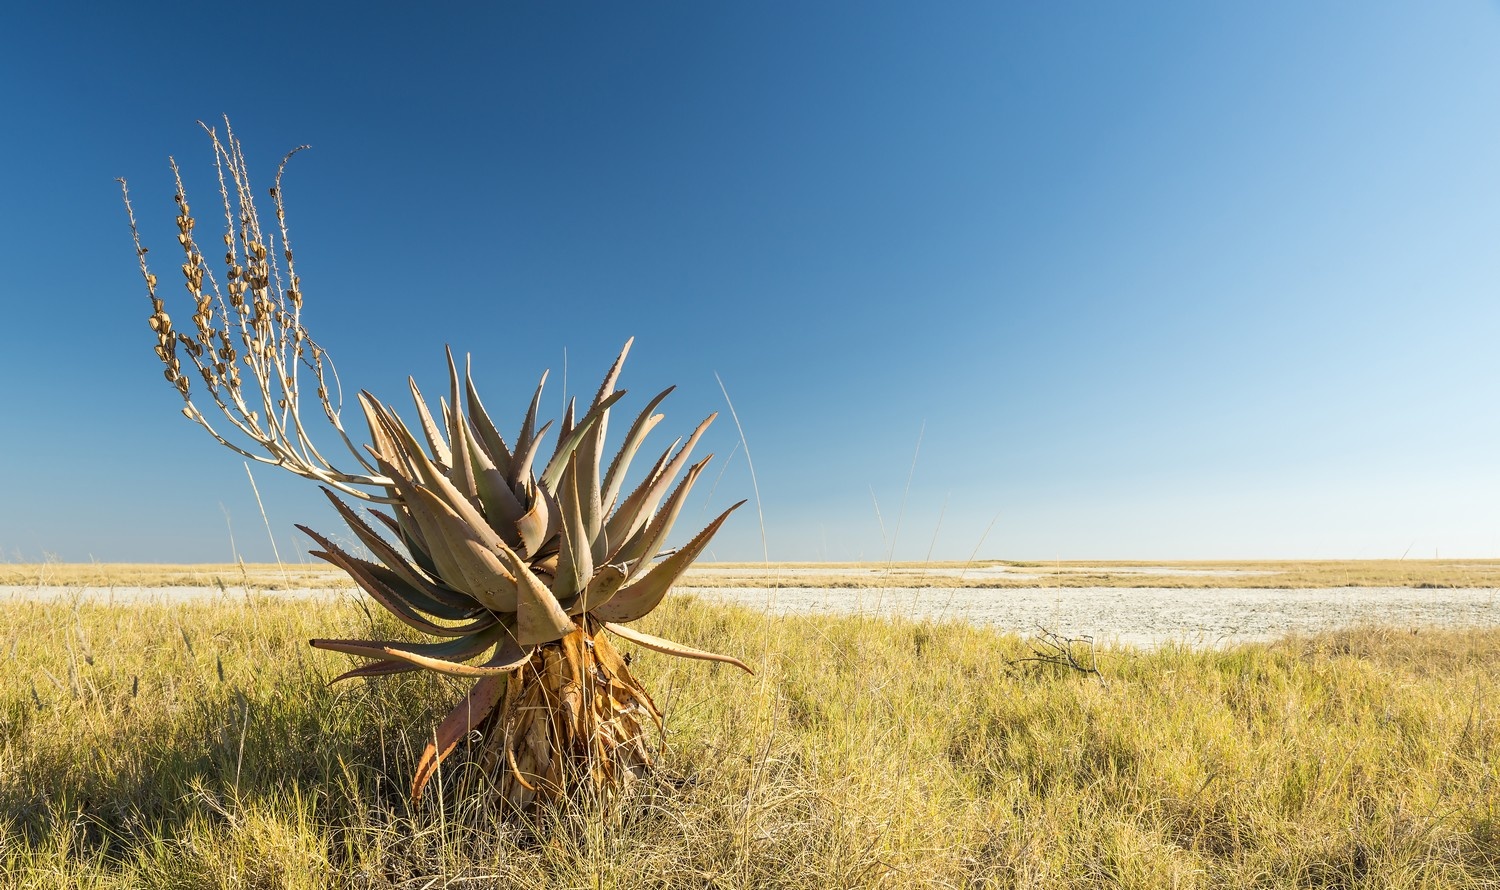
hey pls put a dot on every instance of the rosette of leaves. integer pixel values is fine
(516, 566)
(522, 575)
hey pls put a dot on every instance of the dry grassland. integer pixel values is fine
(255, 576)
(197, 744)
(982, 574)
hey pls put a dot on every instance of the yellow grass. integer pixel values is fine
(258, 576)
(198, 745)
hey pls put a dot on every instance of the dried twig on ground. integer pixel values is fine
(1073, 653)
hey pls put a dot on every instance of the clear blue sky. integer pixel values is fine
(1147, 280)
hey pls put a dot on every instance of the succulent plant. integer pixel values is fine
(520, 575)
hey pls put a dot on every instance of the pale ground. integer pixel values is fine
(1146, 615)
(1131, 615)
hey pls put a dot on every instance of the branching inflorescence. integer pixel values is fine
(518, 563)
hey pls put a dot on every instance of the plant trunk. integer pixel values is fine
(572, 721)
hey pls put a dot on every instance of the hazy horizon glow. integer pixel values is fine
(1063, 282)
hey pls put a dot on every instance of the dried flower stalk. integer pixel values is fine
(251, 324)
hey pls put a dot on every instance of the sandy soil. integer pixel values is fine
(1132, 615)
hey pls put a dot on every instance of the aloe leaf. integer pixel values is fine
(371, 407)
(509, 654)
(462, 463)
(454, 605)
(601, 588)
(503, 662)
(475, 707)
(554, 515)
(502, 508)
(440, 451)
(446, 658)
(436, 599)
(565, 429)
(569, 441)
(376, 669)
(520, 469)
(380, 437)
(565, 579)
(442, 414)
(464, 474)
(489, 437)
(446, 568)
(459, 503)
(614, 479)
(478, 526)
(638, 509)
(489, 581)
(575, 563)
(390, 445)
(532, 526)
(410, 535)
(385, 588)
(529, 434)
(640, 597)
(593, 444)
(642, 549)
(426, 472)
(627, 516)
(586, 483)
(670, 648)
(612, 376)
(647, 507)
(539, 618)
(405, 529)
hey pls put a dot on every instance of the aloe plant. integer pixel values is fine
(520, 565)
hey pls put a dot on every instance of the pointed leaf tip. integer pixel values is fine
(668, 647)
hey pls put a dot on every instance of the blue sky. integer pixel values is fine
(1106, 280)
